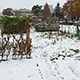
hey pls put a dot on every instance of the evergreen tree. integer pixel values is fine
(46, 11)
(57, 11)
(36, 9)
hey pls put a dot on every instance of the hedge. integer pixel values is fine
(14, 24)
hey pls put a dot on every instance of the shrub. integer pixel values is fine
(68, 23)
(14, 24)
(44, 28)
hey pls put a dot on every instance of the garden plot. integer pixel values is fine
(57, 58)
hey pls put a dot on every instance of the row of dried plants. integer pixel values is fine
(17, 49)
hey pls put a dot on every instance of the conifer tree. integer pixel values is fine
(57, 11)
(46, 11)
(36, 9)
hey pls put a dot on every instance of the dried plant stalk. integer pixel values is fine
(20, 46)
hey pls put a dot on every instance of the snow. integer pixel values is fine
(52, 59)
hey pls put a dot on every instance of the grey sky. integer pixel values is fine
(16, 4)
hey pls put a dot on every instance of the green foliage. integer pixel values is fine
(57, 11)
(0, 26)
(75, 24)
(36, 9)
(68, 23)
(74, 35)
(44, 28)
(78, 35)
(76, 50)
(14, 24)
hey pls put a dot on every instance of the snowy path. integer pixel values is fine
(40, 67)
(56, 70)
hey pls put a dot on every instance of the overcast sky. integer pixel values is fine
(16, 4)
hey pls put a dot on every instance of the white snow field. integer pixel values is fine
(52, 59)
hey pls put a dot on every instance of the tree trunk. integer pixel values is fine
(77, 26)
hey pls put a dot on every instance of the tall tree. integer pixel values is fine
(68, 9)
(36, 9)
(46, 12)
(8, 11)
(77, 12)
(57, 11)
(77, 8)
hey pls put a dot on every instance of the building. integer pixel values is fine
(51, 8)
(22, 12)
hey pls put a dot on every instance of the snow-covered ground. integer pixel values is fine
(52, 59)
